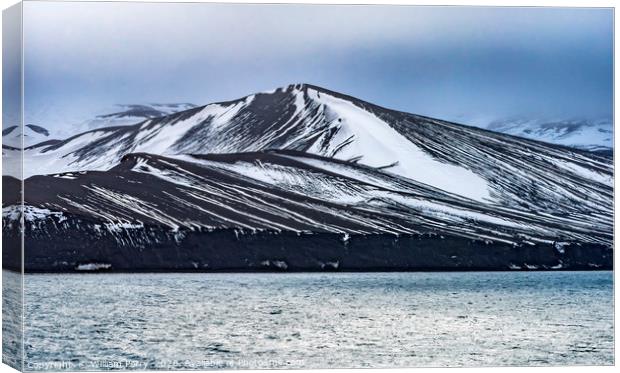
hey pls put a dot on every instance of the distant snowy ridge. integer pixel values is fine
(32, 135)
(133, 113)
(588, 134)
(120, 115)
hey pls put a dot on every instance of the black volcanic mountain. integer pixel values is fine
(302, 178)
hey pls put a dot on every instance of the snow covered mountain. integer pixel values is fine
(301, 166)
(593, 135)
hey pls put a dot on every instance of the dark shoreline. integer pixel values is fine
(55, 248)
(225, 252)
(255, 271)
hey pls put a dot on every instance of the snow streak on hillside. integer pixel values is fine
(285, 191)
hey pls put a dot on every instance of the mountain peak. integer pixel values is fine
(303, 87)
(296, 86)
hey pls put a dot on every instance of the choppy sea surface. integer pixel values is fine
(314, 320)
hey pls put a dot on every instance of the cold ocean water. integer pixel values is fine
(314, 320)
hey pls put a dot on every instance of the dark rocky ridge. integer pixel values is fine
(274, 227)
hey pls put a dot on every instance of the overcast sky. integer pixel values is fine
(447, 62)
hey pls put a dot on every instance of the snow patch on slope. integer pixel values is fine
(293, 179)
(379, 145)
